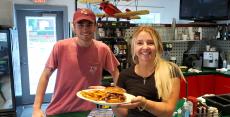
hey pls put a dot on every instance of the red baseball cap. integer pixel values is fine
(84, 14)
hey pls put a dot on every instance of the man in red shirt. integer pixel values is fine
(79, 62)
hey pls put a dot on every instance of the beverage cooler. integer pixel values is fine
(7, 97)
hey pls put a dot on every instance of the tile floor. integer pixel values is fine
(26, 111)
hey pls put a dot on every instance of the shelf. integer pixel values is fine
(193, 24)
(111, 37)
(114, 24)
(175, 41)
(114, 27)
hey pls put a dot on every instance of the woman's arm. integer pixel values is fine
(166, 107)
(161, 109)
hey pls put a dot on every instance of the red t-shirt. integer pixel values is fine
(77, 69)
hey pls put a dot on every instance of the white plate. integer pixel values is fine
(129, 97)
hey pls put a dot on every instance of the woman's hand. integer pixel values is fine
(139, 100)
(135, 102)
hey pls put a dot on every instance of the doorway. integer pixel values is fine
(39, 27)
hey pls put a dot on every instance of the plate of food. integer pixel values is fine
(110, 96)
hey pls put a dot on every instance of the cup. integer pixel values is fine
(173, 59)
(191, 33)
(207, 47)
(185, 37)
(213, 49)
(228, 67)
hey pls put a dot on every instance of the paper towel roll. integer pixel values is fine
(200, 31)
(191, 33)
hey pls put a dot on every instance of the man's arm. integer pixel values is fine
(42, 85)
(115, 75)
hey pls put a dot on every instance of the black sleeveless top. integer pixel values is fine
(138, 86)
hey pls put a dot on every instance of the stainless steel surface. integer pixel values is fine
(210, 59)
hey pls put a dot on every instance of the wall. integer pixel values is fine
(179, 46)
(168, 9)
(69, 3)
(6, 13)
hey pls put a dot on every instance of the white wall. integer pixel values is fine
(6, 13)
(69, 3)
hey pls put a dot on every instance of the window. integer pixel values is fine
(151, 18)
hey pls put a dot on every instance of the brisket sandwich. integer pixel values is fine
(114, 95)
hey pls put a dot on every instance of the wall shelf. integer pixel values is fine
(177, 41)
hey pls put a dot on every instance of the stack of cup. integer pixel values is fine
(207, 47)
(173, 59)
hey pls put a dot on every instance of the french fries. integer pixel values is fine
(97, 95)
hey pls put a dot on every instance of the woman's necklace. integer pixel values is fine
(142, 74)
(144, 81)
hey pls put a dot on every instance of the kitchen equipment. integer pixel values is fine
(222, 102)
(191, 60)
(210, 59)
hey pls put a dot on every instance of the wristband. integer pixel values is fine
(141, 108)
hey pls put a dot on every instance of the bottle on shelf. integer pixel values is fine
(101, 32)
(179, 113)
(120, 51)
(118, 32)
(112, 33)
(200, 31)
(218, 35)
(225, 33)
(224, 64)
(228, 29)
(187, 108)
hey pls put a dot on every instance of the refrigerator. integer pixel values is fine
(7, 96)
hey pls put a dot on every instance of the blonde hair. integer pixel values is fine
(164, 71)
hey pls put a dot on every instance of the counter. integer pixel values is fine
(209, 81)
(108, 79)
(208, 72)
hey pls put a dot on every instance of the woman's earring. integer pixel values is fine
(135, 58)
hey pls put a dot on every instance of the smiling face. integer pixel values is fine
(144, 47)
(85, 30)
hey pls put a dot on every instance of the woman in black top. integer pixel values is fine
(154, 81)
